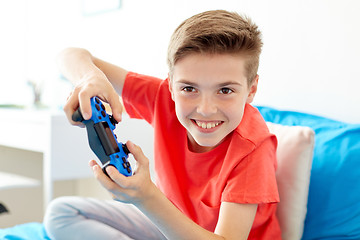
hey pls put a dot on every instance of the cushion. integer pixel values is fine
(333, 210)
(33, 231)
(294, 157)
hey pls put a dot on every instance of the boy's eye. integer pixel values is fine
(225, 91)
(188, 89)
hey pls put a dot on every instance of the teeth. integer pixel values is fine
(207, 125)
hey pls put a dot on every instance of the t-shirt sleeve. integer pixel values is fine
(139, 95)
(253, 180)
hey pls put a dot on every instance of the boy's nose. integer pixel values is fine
(206, 106)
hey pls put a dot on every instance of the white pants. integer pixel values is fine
(87, 218)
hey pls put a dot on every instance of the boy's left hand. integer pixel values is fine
(133, 189)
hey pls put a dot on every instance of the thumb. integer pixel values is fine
(137, 152)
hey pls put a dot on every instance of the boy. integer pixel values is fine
(214, 157)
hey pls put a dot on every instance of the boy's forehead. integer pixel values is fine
(224, 67)
(195, 60)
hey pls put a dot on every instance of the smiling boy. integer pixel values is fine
(214, 156)
(210, 92)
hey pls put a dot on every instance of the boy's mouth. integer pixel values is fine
(207, 124)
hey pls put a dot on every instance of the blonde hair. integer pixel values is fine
(217, 32)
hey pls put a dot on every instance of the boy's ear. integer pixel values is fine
(253, 89)
(170, 87)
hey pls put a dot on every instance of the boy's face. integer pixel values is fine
(210, 93)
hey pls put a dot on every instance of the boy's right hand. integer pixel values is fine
(92, 84)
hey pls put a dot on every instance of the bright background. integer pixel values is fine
(310, 59)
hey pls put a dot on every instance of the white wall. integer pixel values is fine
(309, 63)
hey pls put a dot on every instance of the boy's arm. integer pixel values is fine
(234, 223)
(235, 220)
(91, 77)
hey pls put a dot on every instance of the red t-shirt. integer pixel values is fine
(241, 169)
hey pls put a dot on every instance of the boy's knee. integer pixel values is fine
(61, 206)
(58, 214)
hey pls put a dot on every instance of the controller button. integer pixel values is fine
(116, 156)
(103, 107)
(103, 113)
(99, 117)
(97, 100)
(124, 159)
(97, 107)
(128, 170)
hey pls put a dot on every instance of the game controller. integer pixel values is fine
(102, 140)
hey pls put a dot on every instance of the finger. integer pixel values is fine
(70, 107)
(117, 177)
(116, 106)
(104, 180)
(138, 154)
(70, 94)
(84, 103)
(113, 188)
(93, 163)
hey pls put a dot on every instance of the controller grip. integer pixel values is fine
(77, 116)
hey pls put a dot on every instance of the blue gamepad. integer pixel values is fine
(102, 139)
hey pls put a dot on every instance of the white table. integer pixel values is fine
(65, 148)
